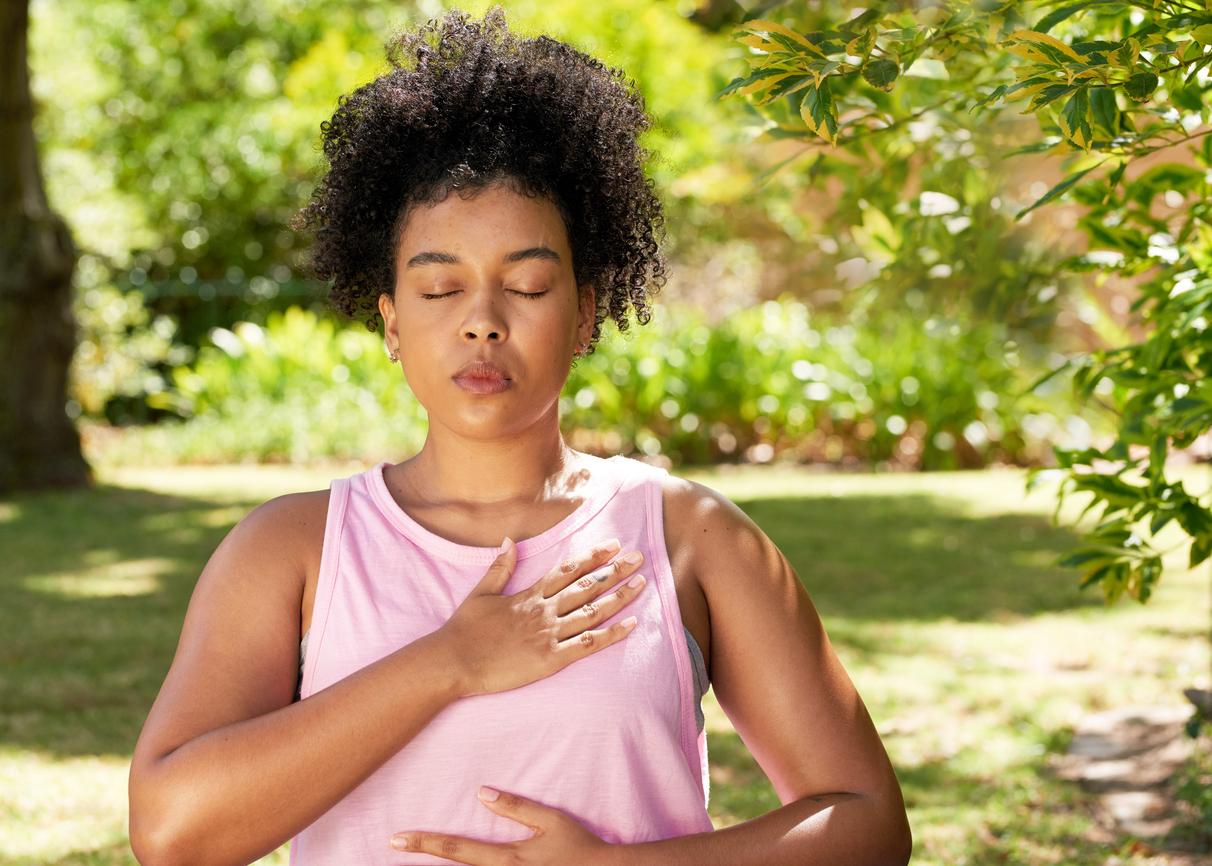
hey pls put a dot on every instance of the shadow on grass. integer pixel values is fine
(96, 583)
(919, 557)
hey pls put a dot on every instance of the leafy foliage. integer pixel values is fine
(770, 382)
(1122, 81)
(183, 135)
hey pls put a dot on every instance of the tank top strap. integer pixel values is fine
(643, 485)
(330, 562)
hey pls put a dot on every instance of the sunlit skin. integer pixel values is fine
(486, 277)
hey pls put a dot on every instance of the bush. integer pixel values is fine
(298, 389)
(771, 381)
(768, 382)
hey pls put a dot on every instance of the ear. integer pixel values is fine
(387, 309)
(587, 313)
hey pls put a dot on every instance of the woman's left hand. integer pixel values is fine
(558, 839)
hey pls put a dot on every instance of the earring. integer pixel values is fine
(392, 356)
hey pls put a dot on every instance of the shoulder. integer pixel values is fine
(703, 511)
(289, 517)
(285, 529)
(709, 529)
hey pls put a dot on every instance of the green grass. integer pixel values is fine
(973, 653)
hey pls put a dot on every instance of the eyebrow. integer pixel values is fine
(430, 257)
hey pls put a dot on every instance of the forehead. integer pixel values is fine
(489, 222)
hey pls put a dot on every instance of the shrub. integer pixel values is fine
(768, 382)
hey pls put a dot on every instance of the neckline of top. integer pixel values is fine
(604, 481)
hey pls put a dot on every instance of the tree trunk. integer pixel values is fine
(39, 446)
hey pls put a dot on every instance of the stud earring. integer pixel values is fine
(392, 355)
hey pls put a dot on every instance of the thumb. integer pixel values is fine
(501, 570)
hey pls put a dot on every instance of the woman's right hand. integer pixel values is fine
(502, 642)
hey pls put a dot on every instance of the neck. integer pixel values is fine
(526, 467)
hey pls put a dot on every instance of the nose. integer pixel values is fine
(485, 322)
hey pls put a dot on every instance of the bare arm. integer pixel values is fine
(779, 681)
(227, 768)
(223, 739)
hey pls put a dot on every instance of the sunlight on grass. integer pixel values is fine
(974, 653)
(53, 807)
(106, 580)
(973, 699)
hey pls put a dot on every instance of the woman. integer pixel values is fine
(487, 197)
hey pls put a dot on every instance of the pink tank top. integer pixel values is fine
(611, 739)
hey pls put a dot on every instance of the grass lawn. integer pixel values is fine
(974, 654)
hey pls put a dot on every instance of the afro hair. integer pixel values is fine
(467, 104)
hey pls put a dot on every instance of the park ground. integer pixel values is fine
(976, 656)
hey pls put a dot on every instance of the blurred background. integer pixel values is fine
(180, 142)
(849, 347)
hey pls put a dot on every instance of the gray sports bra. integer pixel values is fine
(696, 658)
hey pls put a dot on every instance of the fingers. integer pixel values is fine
(588, 642)
(456, 848)
(591, 585)
(502, 567)
(575, 566)
(533, 814)
(527, 812)
(600, 609)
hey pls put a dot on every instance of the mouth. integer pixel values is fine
(481, 377)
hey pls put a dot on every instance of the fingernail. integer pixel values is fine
(611, 546)
(633, 558)
(636, 582)
(506, 543)
(488, 794)
(629, 622)
(399, 842)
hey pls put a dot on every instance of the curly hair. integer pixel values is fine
(467, 104)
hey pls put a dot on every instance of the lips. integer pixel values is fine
(482, 377)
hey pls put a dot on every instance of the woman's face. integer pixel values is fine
(486, 312)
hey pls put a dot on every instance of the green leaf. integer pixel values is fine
(1050, 94)
(819, 113)
(1085, 555)
(1041, 43)
(1160, 519)
(881, 74)
(1201, 549)
(1058, 190)
(1190, 98)
(996, 93)
(1105, 111)
(1075, 119)
(1194, 520)
(1058, 15)
(739, 83)
(1035, 147)
(1149, 571)
(1114, 582)
(1096, 575)
(1141, 86)
(1116, 492)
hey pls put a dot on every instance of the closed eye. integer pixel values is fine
(512, 291)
